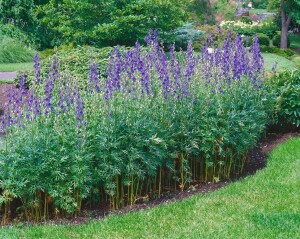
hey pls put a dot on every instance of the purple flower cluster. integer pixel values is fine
(37, 68)
(144, 71)
(59, 97)
(94, 82)
(231, 62)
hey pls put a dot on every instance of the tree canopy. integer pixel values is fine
(109, 22)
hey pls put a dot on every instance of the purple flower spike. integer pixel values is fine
(94, 81)
(37, 68)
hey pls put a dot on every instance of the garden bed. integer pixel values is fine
(151, 128)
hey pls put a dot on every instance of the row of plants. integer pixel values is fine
(150, 125)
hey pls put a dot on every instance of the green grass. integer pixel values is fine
(258, 11)
(266, 205)
(6, 81)
(296, 60)
(295, 41)
(13, 67)
(13, 50)
(283, 63)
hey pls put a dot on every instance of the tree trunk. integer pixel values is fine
(283, 41)
(285, 22)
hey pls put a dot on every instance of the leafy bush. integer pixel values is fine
(74, 61)
(267, 27)
(246, 20)
(13, 51)
(120, 22)
(225, 8)
(10, 30)
(213, 35)
(287, 53)
(277, 40)
(263, 39)
(185, 34)
(287, 85)
(150, 124)
(259, 4)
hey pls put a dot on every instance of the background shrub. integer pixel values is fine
(259, 4)
(186, 33)
(287, 53)
(287, 86)
(14, 51)
(263, 39)
(213, 34)
(267, 27)
(246, 20)
(74, 61)
(10, 30)
(277, 39)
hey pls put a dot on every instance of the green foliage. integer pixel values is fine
(13, 51)
(267, 27)
(19, 12)
(264, 205)
(277, 40)
(12, 31)
(212, 32)
(130, 145)
(291, 7)
(225, 8)
(246, 20)
(295, 41)
(108, 23)
(202, 12)
(287, 53)
(287, 86)
(260, 4)
(263, 39)
(75, 62)
(186, 33)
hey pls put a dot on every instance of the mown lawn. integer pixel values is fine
(266, 205)
(258, 11)
(14, 67)
(283, 63)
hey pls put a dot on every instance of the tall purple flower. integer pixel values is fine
(257, 59)
(79, 110)
(94, 81)
(37, 68)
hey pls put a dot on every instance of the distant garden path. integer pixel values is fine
(8, 75)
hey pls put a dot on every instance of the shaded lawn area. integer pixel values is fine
(283, 63)
(14, 67)
(295, 41)
(266, 205)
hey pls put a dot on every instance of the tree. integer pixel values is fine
(19, 12)
(110, 22)
(288, 9)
